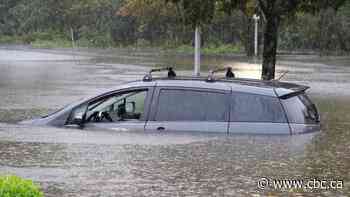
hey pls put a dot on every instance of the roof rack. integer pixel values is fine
(171, 73)
(229, 74)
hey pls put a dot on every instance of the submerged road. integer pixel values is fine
(75, 162)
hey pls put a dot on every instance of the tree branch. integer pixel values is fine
(263, 6)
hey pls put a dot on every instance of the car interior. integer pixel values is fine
(120, 107)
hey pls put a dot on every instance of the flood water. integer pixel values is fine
(64, 162)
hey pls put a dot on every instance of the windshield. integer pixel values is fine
(62, 108)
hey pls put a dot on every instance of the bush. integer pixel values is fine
(13, 186)
(10, 40)
(95, 39)
(223, 49)
(47, 44)
(185, 49)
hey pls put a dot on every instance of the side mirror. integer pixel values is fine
(78, 119)
(78, 115)
(124, 110)
(130, 107)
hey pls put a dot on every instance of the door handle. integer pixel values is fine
(160, 128)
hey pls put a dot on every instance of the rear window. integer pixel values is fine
(300, 110)
(189, 105)
(256, 108)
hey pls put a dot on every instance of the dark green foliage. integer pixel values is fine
(96, 23)
(52, 20)
(13, 186)
(228, 6)
(124, 30)
(275, 11)
(8, 20)
(299, 33)
(34, 16)
(196, 12)
(315, 6)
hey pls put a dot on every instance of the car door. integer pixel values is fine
(125, 110)
(187, 109)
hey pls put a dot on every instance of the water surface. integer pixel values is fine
(75, 162)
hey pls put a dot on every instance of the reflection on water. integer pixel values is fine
(96, 163)
(221, 165)
(91, 163)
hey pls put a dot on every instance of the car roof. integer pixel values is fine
(253, 86)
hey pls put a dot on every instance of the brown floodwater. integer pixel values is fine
(66, 162)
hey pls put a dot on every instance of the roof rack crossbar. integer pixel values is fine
(229, 73)
(171, 73)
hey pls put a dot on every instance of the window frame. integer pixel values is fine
(144, 117)
(156, 98)
(286, 121)
(306, 119)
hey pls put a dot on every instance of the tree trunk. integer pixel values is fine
(321, 35)
(270, 47)
(342, 41)
(249, 36)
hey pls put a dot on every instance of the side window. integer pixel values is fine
(256, 108)
(124, 106)
(300, 110)
(118, 107)
(189, 105)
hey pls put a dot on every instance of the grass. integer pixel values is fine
(100, 43)
(58, 40)
(11, 39)
(13, 186)
(38, 40)
(57, 43)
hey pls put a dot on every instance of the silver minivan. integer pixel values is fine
(195, 104)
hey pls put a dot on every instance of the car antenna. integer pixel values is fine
(171, 73)
(229, 73)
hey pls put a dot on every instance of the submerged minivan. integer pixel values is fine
(244, 106)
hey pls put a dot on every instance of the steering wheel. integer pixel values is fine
(105, 115)
(99, 117)
(94, 117)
